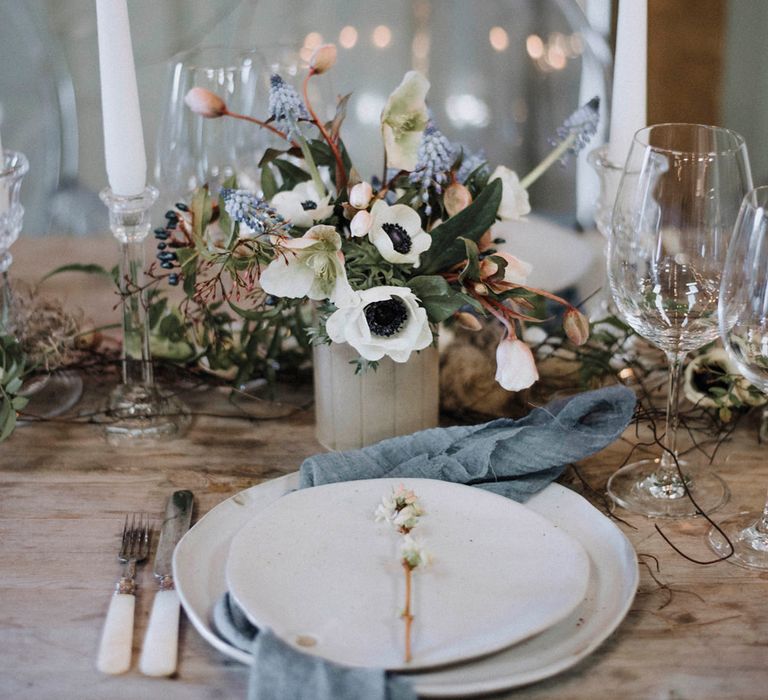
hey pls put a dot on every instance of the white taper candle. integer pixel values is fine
(123, 137)
(628, 100)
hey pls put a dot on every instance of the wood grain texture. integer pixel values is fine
(703, 633)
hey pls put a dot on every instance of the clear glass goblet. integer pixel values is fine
(192, 151)
(743, 313)
(675, 211)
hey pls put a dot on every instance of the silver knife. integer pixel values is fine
(159, 655)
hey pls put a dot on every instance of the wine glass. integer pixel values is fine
(675, 210)
(192, 151)
(743, 313)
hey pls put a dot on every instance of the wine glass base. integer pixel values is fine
(52, 394)
(750, 547)
(635, 488)
(140, 413)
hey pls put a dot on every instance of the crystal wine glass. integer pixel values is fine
(192, 151)
(743, 313)
(675, 210)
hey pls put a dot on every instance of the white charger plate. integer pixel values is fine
(319, 571)
(199, 571)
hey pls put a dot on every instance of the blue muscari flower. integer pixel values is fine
(471, 161)
(285, 106)
(246, 208)
(433, 161)
(582, 123)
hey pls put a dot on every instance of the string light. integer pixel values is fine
(348, 37)
(382, 36)
(499, 38)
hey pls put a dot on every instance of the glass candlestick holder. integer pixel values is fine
(138, 408)
(13, 168)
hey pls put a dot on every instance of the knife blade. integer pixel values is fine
(159, 655)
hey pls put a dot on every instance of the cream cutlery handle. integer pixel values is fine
(161, 643)
(117, 636)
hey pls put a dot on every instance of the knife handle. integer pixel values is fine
(117, 637)
(159, 654)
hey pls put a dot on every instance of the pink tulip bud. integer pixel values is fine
(576, 326)
(360, 195)
(468, 321)
(456, 198)
(323, 58)
(515, 366)
(205, 103)
(360, 224)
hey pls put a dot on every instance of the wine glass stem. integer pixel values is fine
(667, 468)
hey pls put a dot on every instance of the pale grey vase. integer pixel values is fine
(355, 410)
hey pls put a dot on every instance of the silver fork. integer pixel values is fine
(117, 637)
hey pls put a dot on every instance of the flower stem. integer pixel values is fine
(407, 611)
(260, 123)
(313, 171)
(554, 155)
(342, 173)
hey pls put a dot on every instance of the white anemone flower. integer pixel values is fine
(397, 234)
(311, 266)
(514, 197)
(303, 206)
(382, 321)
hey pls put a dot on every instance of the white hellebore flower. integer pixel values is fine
(382, 321)
(403, 121)
(397, 234)
(515, 366)
(303, 205)
(311, 266)
(514, 198)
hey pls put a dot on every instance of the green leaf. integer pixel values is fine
(90, 269)
(7, 418)
(438, 298)
(271, 154)
(248, 314)
(202, 211)
(156, 311)
(268, 182)
(446, 249)
(472, 268)
(229, 183)
(228, 228)
(292, 174)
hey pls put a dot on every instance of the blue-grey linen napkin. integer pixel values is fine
(514, 458)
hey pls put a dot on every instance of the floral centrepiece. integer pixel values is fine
(387, 258)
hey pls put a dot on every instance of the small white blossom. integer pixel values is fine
(360, 195)
(413, 552)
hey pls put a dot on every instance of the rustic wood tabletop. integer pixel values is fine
(693, 631)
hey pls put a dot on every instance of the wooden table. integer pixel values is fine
(693, 631)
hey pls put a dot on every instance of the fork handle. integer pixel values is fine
(159, 654)
(117, 637)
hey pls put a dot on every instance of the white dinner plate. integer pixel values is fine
(199, 572)
(318, 569)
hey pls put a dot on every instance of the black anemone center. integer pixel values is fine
(385, 318)
(309, 204)
(710, 377)
(401, 241)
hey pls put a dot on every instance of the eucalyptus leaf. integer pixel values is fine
(89, 269)
(438, 298)
(472, 268)
(292, 174)
(201, 208)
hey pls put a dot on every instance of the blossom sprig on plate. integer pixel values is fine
(403, 510)
(389, 259)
